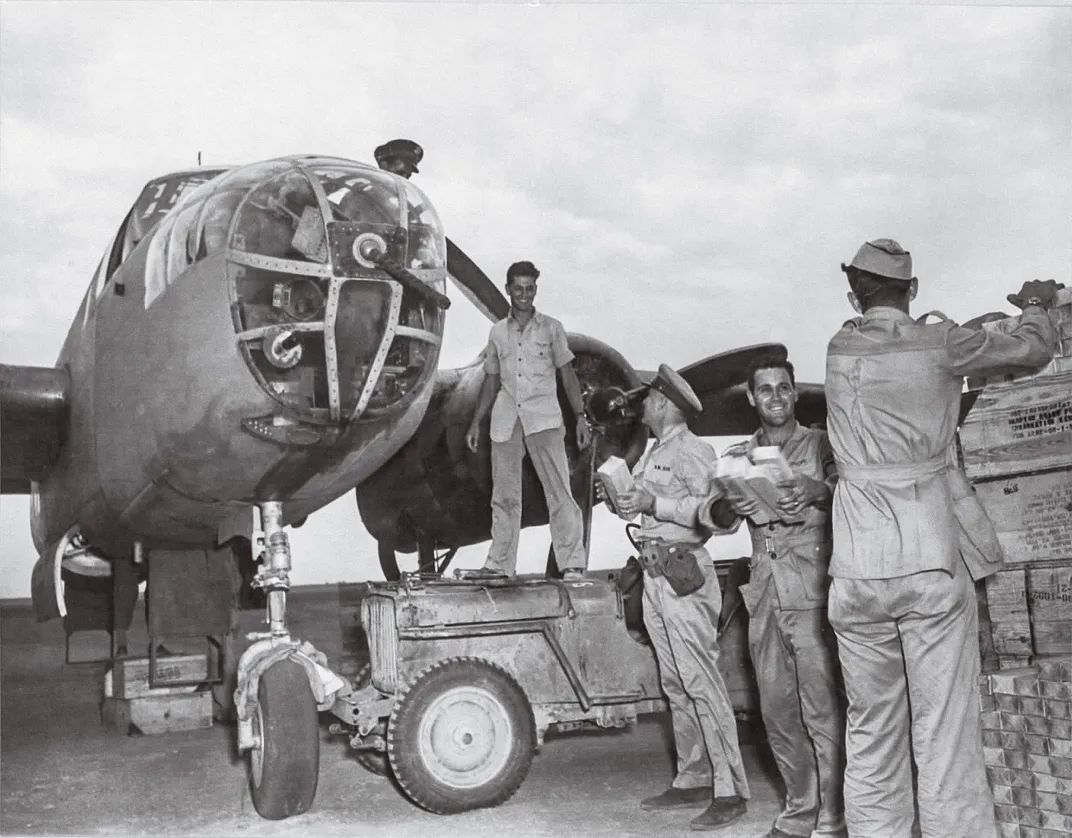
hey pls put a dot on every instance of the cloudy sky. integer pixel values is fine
(687, 177)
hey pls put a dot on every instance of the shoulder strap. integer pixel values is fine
(922, 319)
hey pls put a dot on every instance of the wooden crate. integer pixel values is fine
(1031, 612)
(1032, 515)
(1027, 747)
(158, 714)
(130, 676)
(1018, 428)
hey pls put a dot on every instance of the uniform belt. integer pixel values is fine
(893, 471)
(800, 539)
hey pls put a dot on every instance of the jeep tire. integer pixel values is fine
(461, 736)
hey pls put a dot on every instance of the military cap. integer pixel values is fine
(882, 257)
(405, 149)
(670, 383)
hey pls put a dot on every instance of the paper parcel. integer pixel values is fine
(757, 478)
(615, 476)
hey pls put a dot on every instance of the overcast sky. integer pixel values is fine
(687, 177)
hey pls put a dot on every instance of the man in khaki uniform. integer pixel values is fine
(681, 607)
(902, 600)
(526, 351)
(792, 644)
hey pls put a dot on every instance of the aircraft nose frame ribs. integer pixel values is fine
(360, 329)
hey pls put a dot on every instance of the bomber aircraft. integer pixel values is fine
(256, 342)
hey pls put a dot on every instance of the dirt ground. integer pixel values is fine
(63, 773)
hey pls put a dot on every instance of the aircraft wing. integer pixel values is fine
(34, 407)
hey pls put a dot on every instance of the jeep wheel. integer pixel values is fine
(285, 763)
(461, 736)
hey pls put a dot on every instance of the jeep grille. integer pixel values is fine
(378, 616)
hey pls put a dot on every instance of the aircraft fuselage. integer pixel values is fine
(260, 359)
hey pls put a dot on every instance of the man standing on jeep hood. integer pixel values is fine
(681, 606)
(793, 647)
(526, 352)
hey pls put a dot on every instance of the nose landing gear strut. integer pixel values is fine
(282, 683)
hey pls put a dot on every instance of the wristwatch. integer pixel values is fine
(1034, 301)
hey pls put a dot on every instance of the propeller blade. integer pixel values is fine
(727, 369)
(474, 283)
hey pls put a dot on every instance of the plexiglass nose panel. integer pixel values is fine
(324, 328)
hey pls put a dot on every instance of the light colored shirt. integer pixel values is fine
(893, 388)
(796, 556)
(526, 361)
(679, 471)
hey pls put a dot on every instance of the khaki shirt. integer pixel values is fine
(893, 389)
(526, 361)
(797, 556)
(679, 470)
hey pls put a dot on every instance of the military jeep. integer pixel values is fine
(465, 678)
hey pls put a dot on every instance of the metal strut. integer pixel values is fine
(273, 574)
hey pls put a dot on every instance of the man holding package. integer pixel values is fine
(681, 606)
(909, 536)
(792, 645)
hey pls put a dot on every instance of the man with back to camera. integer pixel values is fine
(682, 601)
(399, 157)
(525, 351)
(902, 600)
(791, 642)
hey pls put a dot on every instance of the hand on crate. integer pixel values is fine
(1037, 293)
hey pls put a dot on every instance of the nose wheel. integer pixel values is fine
(279, 683)
(285, 758)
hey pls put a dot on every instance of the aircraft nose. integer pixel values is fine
(336, 269)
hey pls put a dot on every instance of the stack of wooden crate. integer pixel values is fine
(131, 703)
(1027, 745)
(1016, 447)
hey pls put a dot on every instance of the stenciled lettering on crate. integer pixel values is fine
(1018, 428)
(1031, 610)
(1032, 515)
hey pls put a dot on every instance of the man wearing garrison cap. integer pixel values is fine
(681, 605)
(902, 599)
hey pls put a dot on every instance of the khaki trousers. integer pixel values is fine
(547, 450)
(909, 651)
(683, 633)
(795, 658)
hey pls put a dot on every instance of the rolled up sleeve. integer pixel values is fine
(491, 358)
(560, 351)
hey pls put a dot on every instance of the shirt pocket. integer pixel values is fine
(541, 354)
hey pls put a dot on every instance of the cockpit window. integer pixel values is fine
(281, 219)
(210, 234)
(362, 195)
(160, 196)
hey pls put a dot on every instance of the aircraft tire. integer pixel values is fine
(375, 762)
(285, 767)
(388, 562)
(461, 736)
